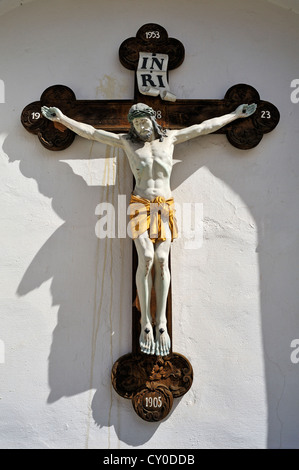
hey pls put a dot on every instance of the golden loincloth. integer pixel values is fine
(147, 215)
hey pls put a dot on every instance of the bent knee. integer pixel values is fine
(145, 262)
(161, 259)
(148, 257)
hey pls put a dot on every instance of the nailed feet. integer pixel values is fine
(149, 345)
(162, 341)
(146, 339)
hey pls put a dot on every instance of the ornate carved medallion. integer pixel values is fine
(152, 382)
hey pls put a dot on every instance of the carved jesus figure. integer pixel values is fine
(150, 149)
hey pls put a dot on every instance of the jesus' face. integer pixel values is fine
(144, 128)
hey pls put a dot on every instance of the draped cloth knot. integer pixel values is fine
(159, 204)
(152, 216)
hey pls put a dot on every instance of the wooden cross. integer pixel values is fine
(150, 381)
(111, 115)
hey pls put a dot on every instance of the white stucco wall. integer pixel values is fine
(65, 295)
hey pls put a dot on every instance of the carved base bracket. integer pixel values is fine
(151, 382)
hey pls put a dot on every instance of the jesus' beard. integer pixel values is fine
(145, 136)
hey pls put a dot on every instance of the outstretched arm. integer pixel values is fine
(212, 125)
(84, 130)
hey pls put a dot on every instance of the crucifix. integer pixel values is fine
(152, 374)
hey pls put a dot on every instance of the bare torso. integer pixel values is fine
(151, 164)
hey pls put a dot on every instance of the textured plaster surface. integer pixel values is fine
(65, 295)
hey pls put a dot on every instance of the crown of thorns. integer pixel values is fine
(140, 110)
